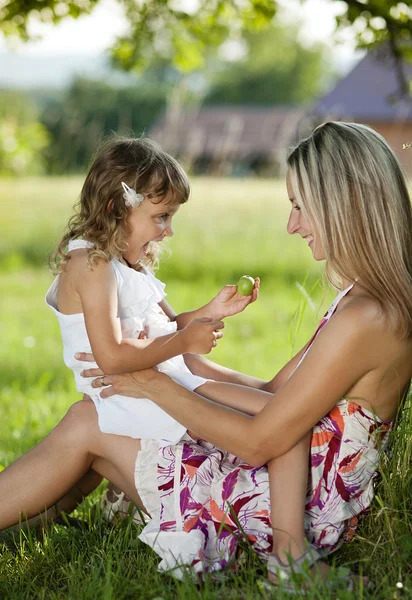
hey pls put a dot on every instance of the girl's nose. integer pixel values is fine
(169, 231)
(293, 222)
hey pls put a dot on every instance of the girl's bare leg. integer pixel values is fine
(45, 474)
(288, 480)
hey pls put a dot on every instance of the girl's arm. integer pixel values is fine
(98, 295)
(202, 367)
(225, 304)
(347, 348)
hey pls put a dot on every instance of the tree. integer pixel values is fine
(158, 28)
(22, 137)
(79, 119)
(276, 69)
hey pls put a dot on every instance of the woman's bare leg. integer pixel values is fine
(45, 474)
(288, 480)
(74, 497)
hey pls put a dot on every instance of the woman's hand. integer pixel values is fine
(139, 384)
(136, 385)
(229, 302)
(88, 357)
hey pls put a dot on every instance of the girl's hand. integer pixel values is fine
(139, 384)
(229, 302)
(201, 335)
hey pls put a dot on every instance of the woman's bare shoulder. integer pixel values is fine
(363, 311)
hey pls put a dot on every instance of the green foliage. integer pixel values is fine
(185, 32)
(89, 110)
(14, 15)
(22, 136)
(276, 69)
(385, 23)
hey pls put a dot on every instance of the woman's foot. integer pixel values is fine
(303, 572)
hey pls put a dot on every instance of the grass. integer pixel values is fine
(229, 228)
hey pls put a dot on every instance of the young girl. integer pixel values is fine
(107, 300)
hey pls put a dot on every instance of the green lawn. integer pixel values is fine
(228, 228)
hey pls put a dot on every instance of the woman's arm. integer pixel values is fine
(347, 348)
(234, 396)
(283, 375)
(98, 295)
(209, 370)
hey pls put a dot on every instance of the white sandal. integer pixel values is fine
(115, 506)
(285, 573)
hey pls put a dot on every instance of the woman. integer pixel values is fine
(349, 201)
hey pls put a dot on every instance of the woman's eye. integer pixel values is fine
(163, 217)
(296, 207)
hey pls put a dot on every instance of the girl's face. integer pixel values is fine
(149, 222)
(299, 223)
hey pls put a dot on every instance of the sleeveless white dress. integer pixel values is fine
(138, 294)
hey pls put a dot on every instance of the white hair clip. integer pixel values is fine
(131, 197)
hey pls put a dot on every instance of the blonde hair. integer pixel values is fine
(101, 216)
(350, 184)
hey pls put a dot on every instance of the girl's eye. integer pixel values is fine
(163, 217)
(296, 207)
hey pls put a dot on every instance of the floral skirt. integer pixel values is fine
(206, 503)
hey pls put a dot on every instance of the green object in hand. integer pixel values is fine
(245, 285)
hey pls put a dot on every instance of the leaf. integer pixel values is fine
(229, 484)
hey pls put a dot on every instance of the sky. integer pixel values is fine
(92, 34)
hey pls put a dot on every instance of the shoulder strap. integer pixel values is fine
(336, 301)
(76, 244)
(325, 319)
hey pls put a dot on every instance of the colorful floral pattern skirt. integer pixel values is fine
(205, 502)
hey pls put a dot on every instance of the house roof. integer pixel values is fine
(228, 131)
(369, 92)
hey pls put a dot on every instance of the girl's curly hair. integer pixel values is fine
(101, 212)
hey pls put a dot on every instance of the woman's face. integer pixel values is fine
(299, 223)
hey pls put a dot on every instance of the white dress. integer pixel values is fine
(138, 294)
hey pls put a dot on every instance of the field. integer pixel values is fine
(228, 228)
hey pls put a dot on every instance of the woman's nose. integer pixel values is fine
(293, 222)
